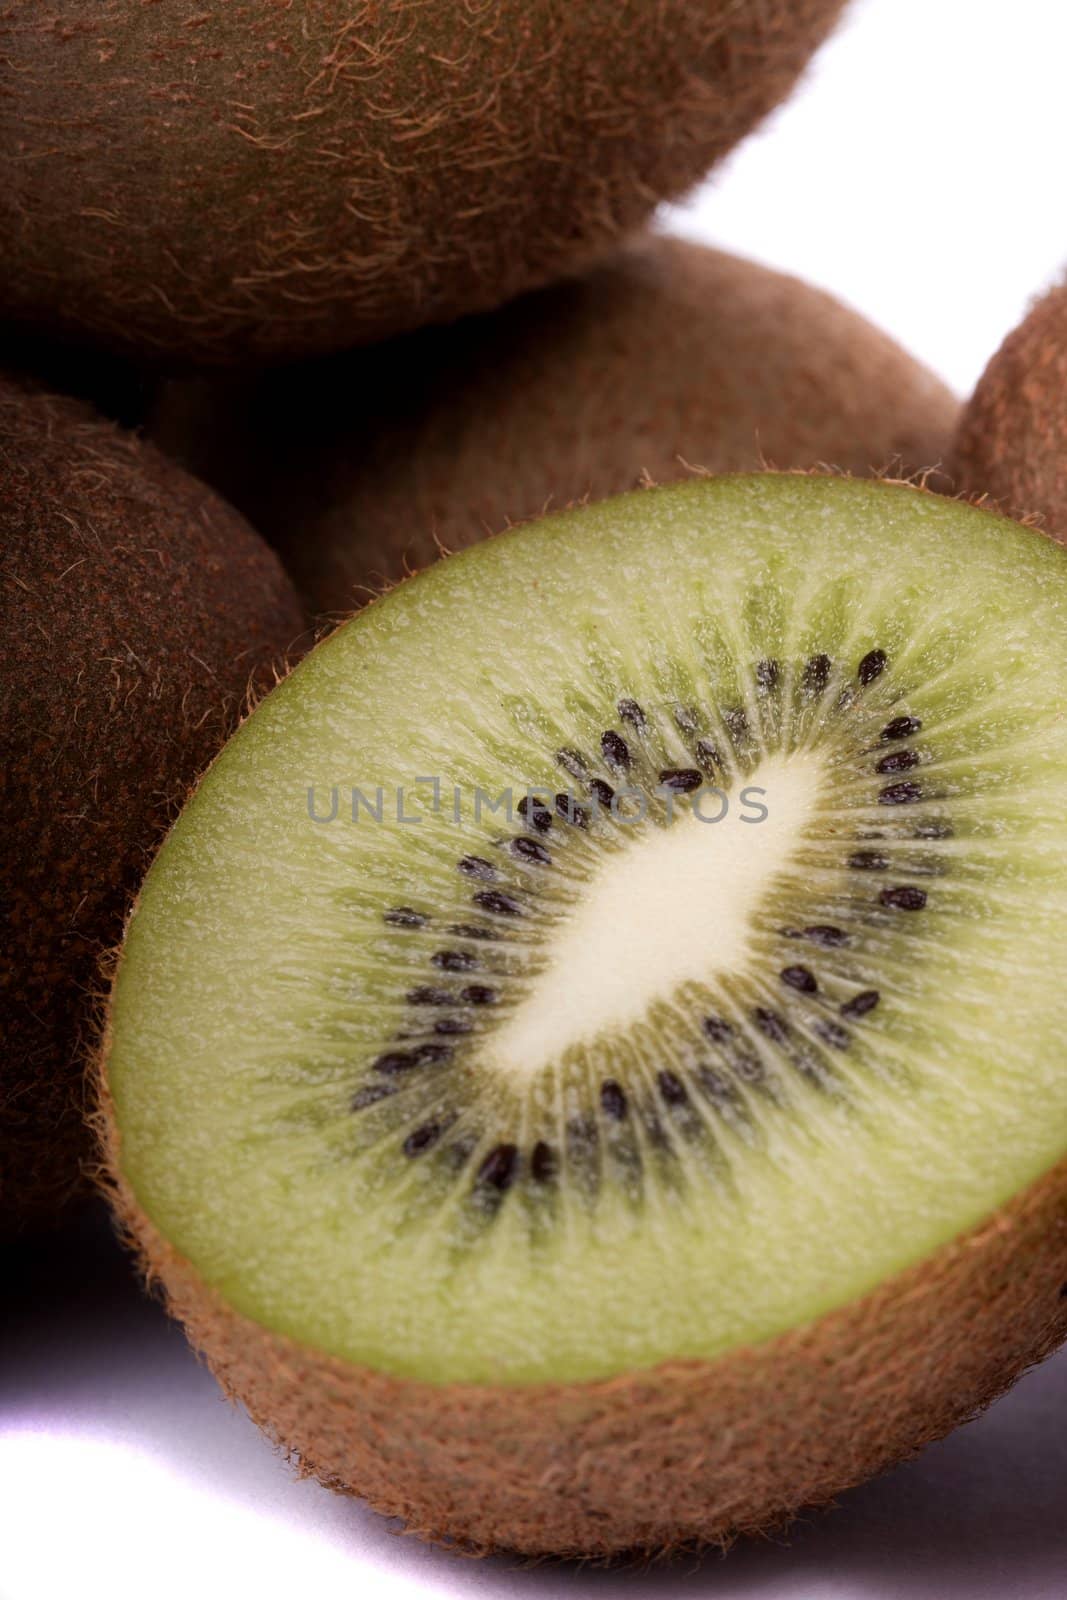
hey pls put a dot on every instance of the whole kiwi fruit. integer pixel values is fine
(672, 357)
(138, 613)
(245, 179)
(1012, 442)
(587, 1064)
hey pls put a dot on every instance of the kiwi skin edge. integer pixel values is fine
(594, 1469)
(657, 1461)
(141, 614)
(671, 359)
(338, 173)
(1010, 444)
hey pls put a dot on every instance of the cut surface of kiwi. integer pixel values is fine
(629, 941)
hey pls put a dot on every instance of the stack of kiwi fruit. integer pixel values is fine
(534, 834)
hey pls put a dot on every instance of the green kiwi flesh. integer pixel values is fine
(138, 613)
(240, 180)
(566, 1102)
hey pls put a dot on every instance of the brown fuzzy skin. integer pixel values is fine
(1012, 442)
(137, 612)
(225, 179)
(686, 1454)
(674, 356)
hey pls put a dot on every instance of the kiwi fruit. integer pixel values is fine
(674, 356)
(137, 611)
(240, 180)
(587, 1064)
(1012, 443)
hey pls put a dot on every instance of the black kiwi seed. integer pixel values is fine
(904, 898)
(800, 978)
(899, 761)
(451, 1025)
(478, 994)
(672, 1088)
(707, 755)
(868, 861)
(817, 674)
(454, 960)
(767, 674)
(615, 750)
(471, 930)
(872, 666)
(405, 917)
(425, 996)
(371, 1093)
(544, 1163)
(574, 762)
(900, 794)
(395, 1061)
(477, 867)
(686, 719)
(500, 1167)
(900, 728)
(861, 1003)
(500, 905)
(631, 712)
(530, 850)
(602, 792)
(833, 1033)
(718, 1029)
(535, 813)
(422, 1139)
(682, 780)
(736, 722)
(569, 809)
(749, 1068)
(771, 1025)
(613, 1100)
(717, 1088)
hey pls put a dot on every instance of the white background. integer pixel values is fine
(917, 174)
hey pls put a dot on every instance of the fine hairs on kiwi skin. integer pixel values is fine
(570, 1177)
(340, 172)
(672, 357)
(1012, 443)
(138, 612)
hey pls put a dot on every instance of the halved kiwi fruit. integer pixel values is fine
(668, 359)
(587, 1065)
(225, 181)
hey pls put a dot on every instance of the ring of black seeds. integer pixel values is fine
(727, 1058)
